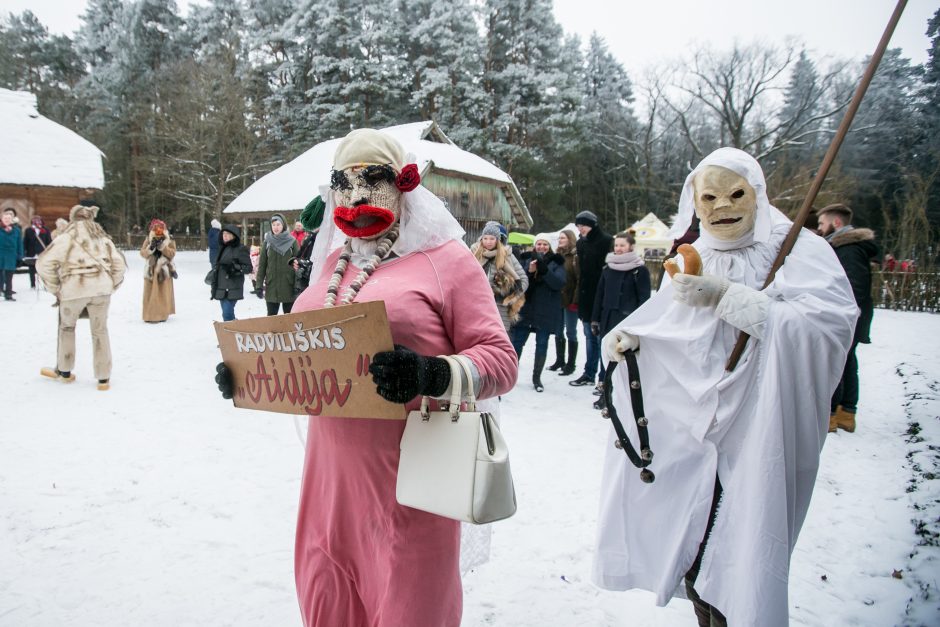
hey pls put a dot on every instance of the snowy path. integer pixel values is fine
(158, 504)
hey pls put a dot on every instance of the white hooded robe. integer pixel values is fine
(760, 428)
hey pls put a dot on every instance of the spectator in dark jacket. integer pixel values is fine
(542, 310)
(231, 266)
(624, 286)
(593, 247)
(35, 240)
(276, 275)
(215, 230)
(856, 250)
(567, 248)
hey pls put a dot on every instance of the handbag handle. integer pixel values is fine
(455, 391)
(471, 396)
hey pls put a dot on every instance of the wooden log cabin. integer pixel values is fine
(45, 168)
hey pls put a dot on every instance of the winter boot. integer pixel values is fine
(833, 425)
(104, 385)
(568, 369)
(53, 373)
(537, 373)
(582, 380)
(845, 419)
(559, 354)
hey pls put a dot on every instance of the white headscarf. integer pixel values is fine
(747, 167)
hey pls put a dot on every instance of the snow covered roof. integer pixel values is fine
(37, 151)
(294, 184)
(651, 227)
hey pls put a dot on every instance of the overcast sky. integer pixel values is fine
(644, 32)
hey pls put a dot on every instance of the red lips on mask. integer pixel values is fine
(363, 220)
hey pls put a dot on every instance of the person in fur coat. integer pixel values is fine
(856, 250)
(158, 251)
(82, 268)
(542, 310)
(506, 276)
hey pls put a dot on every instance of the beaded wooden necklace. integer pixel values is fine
(381, 252)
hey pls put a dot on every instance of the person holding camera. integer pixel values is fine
(542, 310)
(231, 266)
(274, 280)
(158, 251)
(311, 218)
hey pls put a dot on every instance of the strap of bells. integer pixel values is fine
(645, 457)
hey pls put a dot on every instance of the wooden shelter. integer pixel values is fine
(474, 189)
(45, 168)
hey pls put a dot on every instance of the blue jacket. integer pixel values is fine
(11, 248)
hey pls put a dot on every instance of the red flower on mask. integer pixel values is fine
(408, 179)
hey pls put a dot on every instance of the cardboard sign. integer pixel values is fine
(315, 362)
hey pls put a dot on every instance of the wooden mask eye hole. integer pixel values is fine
(738, 193)
(708, 197)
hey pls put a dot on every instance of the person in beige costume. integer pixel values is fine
(82, 268)
(158, 250)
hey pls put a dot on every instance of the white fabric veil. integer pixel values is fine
(425, 224)
(746, 166)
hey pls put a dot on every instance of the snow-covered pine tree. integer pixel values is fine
(443, 61)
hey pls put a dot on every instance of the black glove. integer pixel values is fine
(223, 379)
(259, 291)
(402, 374)
(154, 244)
(595, 329)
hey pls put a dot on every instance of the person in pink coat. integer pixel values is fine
(361, 559)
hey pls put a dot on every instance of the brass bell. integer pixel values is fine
(647, 476)
(618, 444)
(646, 454)
(635, 385)
(642, 421)
(605, 413)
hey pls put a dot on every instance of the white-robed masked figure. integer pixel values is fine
(736, 453)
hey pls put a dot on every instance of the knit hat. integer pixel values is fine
(492, 228)
(312, 215)
(155, 223)
(503, 234)
(279, 218)
(586, 218)
(367, 146)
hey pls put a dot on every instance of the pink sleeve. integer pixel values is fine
(472, 320)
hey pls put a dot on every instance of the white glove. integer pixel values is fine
(616, 343)
(745, 308)
(698, 291)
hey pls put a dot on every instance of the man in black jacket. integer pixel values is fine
(593, 246)
(856, 249)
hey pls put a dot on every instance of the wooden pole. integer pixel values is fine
(824, 168)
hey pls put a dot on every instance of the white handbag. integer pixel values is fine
(455, 463)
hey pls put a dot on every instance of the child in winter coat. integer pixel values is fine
(624, 286)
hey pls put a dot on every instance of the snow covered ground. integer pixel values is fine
(157, 503)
